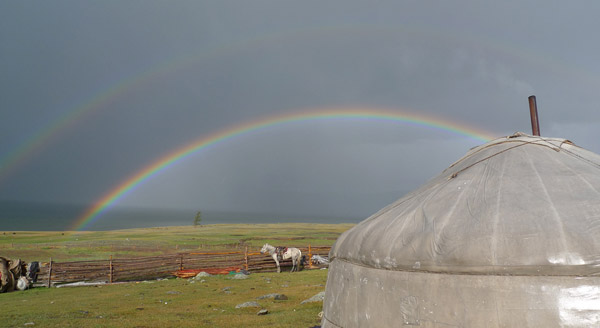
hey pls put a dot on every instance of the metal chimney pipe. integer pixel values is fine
(535, 124)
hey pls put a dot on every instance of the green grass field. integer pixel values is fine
(95, 245)
(170, 302)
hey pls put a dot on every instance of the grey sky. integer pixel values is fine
(174, 71)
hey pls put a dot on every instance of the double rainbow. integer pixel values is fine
(161, 164)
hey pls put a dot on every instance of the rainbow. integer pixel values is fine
(201, 143)
(36, 142)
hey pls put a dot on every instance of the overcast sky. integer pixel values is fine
(91, 92)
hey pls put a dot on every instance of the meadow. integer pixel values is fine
(206, 302)
(96, 245)
(209, 302)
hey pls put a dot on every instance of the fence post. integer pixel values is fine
(180, 262)
(110, 270)
(50, 273)
(246, 257)
(310, 263)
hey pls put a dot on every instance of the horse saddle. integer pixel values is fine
(279, 250)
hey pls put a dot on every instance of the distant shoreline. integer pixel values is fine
(19, 216)
(185, 227)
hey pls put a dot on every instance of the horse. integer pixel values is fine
(283, 253)
(296, 256)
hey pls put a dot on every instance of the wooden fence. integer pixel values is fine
(143, 268)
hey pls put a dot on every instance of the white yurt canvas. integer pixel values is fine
(508, 236)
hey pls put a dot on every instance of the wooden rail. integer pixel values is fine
(143, 268)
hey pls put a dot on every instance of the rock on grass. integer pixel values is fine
(275, 296)
(247, 304)
(239, 276)
(202, 274)
(317, 298)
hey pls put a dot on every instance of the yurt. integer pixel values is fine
(507, 236)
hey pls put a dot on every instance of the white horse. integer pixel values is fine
(296, 256)
(283, 253)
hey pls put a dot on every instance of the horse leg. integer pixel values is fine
(277, 262)
(293, 264)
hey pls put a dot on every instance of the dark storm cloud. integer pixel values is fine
(207, 66)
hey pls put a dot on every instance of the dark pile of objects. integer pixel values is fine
(17, 275)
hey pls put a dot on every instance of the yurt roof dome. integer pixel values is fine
(518, 205)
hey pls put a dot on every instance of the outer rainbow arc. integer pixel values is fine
(25, 150)
(147, 172)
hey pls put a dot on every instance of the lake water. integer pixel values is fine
(23, 216)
